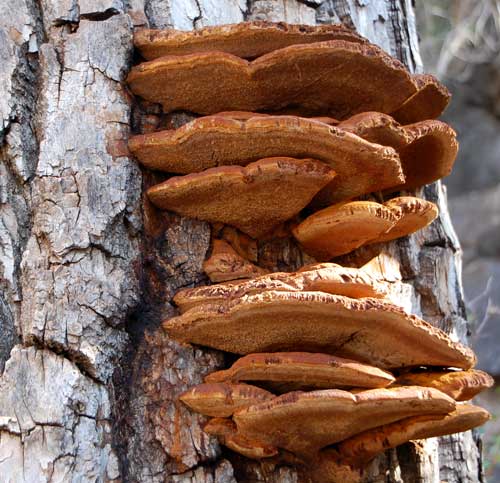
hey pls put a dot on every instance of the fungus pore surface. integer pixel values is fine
(255, 199)
(363, 447)
(428, 102)
(304, 422)
(427, 149)
(368, 330)
(342, 228)
(342, 78)
(360, 166)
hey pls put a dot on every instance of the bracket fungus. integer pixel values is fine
(221, 399)
(427, 149)
(324, 277)
(225, 264)
(255, 199)
(246, 40)
(227, 434)
(360, 449)
(414, 214)
(368, 330)
(324, 328)
(207, 142)
(271, 81)
(428, 102)
(289, 371)
(304, 422)
(460, 385)
(341, 228)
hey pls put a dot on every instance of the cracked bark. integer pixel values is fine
(89, 389)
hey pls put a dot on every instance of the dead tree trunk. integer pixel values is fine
(88, 391)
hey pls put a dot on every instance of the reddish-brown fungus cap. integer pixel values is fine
(304, 422)
(368, 330)
(325, 277)
(225, 264)
(210, 82)
(377, 127)
(428, 102)
(460, 385)
(430, 155)
(289, 371)
(247, 40)
(341, 228)
(226, 432)
(427, 149)
(363, 447)
(207, 142)
(255, 199)
(222, 399)
(414, 214)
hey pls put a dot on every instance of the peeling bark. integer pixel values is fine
(90, 391)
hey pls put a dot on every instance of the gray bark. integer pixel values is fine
(89, 389)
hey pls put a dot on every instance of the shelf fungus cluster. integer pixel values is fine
(299, 134)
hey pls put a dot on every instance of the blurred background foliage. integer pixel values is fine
(460, 44)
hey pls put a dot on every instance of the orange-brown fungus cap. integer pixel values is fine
(254, 199)
(427, 149)
(460, 385)
(226, 433)
(431, 154)
(360, 449)
(221, 399)
(415, 214)
(304, 422)
(288, 371)
(246, 40)
(303, 76)
(212, 141)
(428, 102)
(368, 330)
(225, 264)
(341, 228)
(325, 277)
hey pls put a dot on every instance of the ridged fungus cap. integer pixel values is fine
(322, 277)
(255, 199)
(246, 40)
(365, 446)
(222, 399)
(460, 385)
(211, 82)
(288, 371)
(304, 422)
(341, 228)
(368, 330)
(208, 142)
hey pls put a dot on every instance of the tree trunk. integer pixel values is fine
(89, 387)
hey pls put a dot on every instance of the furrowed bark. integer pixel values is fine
(89, 393)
